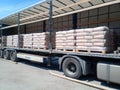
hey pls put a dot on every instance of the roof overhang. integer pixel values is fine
(40, 11)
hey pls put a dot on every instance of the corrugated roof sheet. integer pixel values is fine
(60, 7)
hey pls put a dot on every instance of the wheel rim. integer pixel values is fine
(71, 67)
(13, 55)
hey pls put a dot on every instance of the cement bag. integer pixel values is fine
(101, 28)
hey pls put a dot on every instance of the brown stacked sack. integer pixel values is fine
(41, 40)
(95, 39)
(27, 41)
(38, 40)
(15, 40)
(83, 39)
(70, 39)
(61, 40)
(9, 41)
(12, 41)
(103, 39)
(91, 39)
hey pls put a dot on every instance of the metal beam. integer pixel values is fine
(51, 32)
(61, 8)
(50, 24)
(19, 30)
(1, 34)
(38, 9)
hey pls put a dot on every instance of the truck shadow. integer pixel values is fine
(90, 78)
(54, 66)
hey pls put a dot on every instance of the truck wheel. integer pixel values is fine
(1, 54)
(13, 55)
(6, 55)
(72, 68)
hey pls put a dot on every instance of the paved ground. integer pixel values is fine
(30, 76)
(25, 77)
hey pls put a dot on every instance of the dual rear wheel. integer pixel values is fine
(9, 54)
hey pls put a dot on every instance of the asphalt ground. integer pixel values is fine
(26, 75)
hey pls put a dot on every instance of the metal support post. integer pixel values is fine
(19, 30)
(50, 31)
(1, 35)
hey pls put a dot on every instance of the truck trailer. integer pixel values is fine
(67, 30)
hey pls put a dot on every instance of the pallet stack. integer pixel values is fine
(83, 39)
(99, 39)
(103, 39)
(37, 40)
(27, 40)
(15, 40)
(10, 41)
(41, 40)
(60, 40)
(70, 40)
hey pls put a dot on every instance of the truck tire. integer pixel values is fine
(72, 68)
(13, 55)
(6, 54)
(1, 54)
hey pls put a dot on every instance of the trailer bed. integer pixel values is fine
(58, 53)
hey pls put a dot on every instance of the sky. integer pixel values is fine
(8, 7)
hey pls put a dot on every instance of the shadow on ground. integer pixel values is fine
(55, 66)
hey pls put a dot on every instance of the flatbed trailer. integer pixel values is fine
(89, 63)
(74, 64)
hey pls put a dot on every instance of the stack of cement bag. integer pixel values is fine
(95, 39)
(99, 39)
(38, 40)
(15, 40)
(70, 40)
(41, 40)
(61, 40)
(103, 39)
(10, 41)
(27, 41)
(83, 39)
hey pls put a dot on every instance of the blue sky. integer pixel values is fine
(8, 7)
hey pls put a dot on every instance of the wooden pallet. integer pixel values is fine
(92, 51)
(38, 48)
(27, 47)
(66, 50)
(101, 52)
(79, 50)
(59, 49)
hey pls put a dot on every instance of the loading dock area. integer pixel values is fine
(95, 18)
